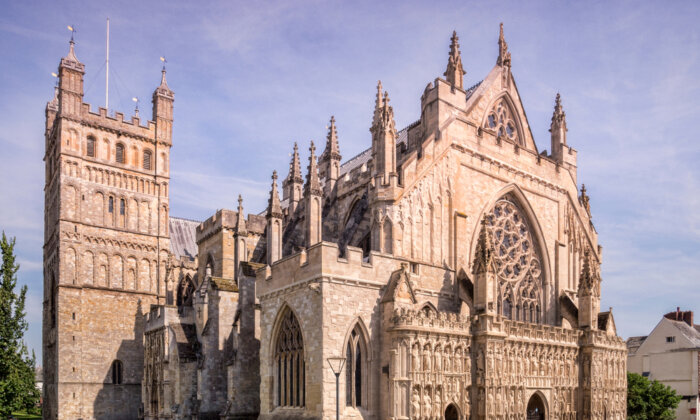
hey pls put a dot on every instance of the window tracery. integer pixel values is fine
(502, 120)
(289, 361)
(517, 263)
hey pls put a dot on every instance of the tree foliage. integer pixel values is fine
(650, 400)
(17, 388)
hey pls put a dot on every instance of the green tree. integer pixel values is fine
(650, 400)
(17, 388)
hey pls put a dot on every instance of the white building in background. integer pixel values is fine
(671, 355)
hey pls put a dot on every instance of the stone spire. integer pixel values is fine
(240, 225)
(483, 257)
(383, 139)
(293, 183)
(313, 205)
(455, 72)
(329, 163)
(503, 53)
(313, 184)
(274, 224)
(558, 130)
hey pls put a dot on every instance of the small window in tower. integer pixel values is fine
(91, 146)
(111, 205)
(117, 372)
(122, 207)
(147, 160)
(120, 153)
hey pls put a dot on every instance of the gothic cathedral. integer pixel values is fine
(450, 271)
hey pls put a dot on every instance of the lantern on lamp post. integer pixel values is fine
(336, 364)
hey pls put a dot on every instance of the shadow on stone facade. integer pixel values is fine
(122, 401)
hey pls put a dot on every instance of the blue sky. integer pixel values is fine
(251, 77)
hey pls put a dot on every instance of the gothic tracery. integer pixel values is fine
(517, 262)
(502, 121)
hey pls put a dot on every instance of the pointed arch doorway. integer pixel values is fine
(451, 412)
(535, 408)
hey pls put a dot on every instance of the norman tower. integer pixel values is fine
(106, 244)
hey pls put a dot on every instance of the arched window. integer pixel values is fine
(110, 207)
(517, 261)
(355, 375)
(502, 120)
(289, 368)
(117, 372)
(147, 160)
(91, 146)
(184, 292)
(120, 153)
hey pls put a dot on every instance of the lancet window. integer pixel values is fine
(355, 360)
(517, 262)
(502, 120)
(289, 363)
(184, 293)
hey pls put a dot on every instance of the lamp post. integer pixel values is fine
(336, 364)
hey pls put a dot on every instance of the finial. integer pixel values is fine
(503, 54)
(332, 149)
(241, 225)
(312, 149)
(378, 102)
(240, 203)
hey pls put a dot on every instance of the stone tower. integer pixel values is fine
(106, 243)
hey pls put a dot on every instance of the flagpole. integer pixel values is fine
(107, 73)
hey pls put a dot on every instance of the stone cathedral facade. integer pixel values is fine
(453, 265)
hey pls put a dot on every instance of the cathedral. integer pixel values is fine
(449, 271)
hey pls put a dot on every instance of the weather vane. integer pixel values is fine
(164, 61)
(72, 30)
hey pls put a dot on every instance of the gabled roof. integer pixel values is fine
(690, 333)
(633, 343)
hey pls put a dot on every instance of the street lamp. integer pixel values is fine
(336, 364)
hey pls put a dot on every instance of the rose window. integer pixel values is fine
(501, 120)
(517, 263)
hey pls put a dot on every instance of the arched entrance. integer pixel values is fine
(535, 408)
(451, 412)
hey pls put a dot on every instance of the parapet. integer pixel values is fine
(117, 125)
(228, 219)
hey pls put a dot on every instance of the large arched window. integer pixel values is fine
(117, 372)
(517, 261)
(290, 378)
(502, 120)
(355, 372)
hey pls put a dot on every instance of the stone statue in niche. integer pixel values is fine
(415, 403)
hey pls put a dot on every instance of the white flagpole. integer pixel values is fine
(107, 74)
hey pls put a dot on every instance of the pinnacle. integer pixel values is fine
(332, 148)
(455, 71)
(503, 54)
(295, 166)
(313, 185)
(274, 209)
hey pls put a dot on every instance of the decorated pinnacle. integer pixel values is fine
(332, 149)
(455, 72)
(294, 167)
(503, 54)
(273, 206)
(313, 184)
(483, 259)
(585, 283)
(383, 112)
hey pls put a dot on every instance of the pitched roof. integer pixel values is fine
(691, 333)
(633, 343)
(183, 237)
